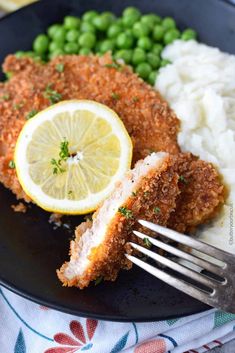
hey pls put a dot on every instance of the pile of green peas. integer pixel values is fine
(135, 38)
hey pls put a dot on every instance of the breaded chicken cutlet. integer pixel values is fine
(33, 86)
(201, 193)
(151, 191)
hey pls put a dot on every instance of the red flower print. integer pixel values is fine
(77, 330)
(63, 338)
(91, 327)
(155, 346)
(79, 341)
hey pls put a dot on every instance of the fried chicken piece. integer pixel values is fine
(178, 191)
(201, 193)
(152, 125)
(149, 191)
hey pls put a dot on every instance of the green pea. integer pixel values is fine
(41, 43)
(53, 46)
(55, 53)
(87, 27)
(119, 22)
(107, 45)
(157, 48)
(89, 15)
(71, 48)
(125, 55)
(171, 35)
(111, 17)
(71, 22)
(131, 11)
(143, 70)
(114, 30)
(151, 20)
(144, 43)
(154, 60)
(164, 62)
(101, 22)
(53, 29)
(59, 35)
(87, 40)
(84, 51)
(188, 34)
(152, 78)
(128, 21)
(140, 30)
(124, 41)
(19, 54)
(128, 31)
(72, 35)
(158, 32)
(168, 22)
(139, 56)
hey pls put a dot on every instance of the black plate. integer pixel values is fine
(30, 250)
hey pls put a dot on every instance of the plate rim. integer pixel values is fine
(104, 317)
(59, 307)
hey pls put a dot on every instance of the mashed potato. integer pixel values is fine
(200, 87)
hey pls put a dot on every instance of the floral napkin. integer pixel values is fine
(26, 327)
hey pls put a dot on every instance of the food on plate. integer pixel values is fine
(200, 87)
(134, 38)
(151, 124)
(153, 190)
(70, 155)
(149, 191)
(74, 156)
(201, 193)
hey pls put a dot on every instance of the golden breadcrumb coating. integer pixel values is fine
(201, 193)
(150, 122)
(182, 194)
(153, 199)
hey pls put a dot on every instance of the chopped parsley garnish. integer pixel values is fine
(156, 210)
(147, 243)
(12, 164)
(134, 193)
(31, 114)
(70, 192)
(98, 280)
(18, 106)
(182, 178)
(135, 99)
(64, 150)
(115, 96)
(52, 95)
(6, 97)
(57, 166)
(8, 75)
(146, 193)
(114, 65)
(125, 212)
(63, 154)
(60, 67)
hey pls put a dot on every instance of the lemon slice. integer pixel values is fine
(69, 156)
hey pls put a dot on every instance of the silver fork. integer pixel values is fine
(218, 290)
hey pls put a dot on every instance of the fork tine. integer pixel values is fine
(182, 254)
(189, 241)
(175, 282)
(207, 281)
